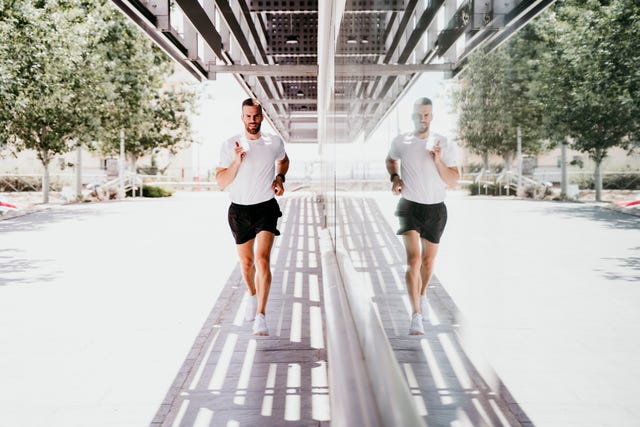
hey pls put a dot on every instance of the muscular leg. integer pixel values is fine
(264, 243)
(245, 253)
(429, 251)
(412, 277)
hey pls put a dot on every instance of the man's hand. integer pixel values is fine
(436, 151)
(396, 187)
(449, 174)
(239, 152)
(277, 186)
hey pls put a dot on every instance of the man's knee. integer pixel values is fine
(262, 263)
(246, 263)
(413, 261)
(429, 258)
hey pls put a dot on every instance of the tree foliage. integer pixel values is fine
(494, 99)
(76, 72)
(573, 74)
(44, 60)
(589, 72)
(479, 100)
(151, 113)
(590, 75)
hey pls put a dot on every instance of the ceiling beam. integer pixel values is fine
(147, 22)
(340, 70)
(307, 101)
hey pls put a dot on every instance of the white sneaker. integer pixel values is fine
(424, 307)
(416, 327)
(260, 325)
(250, 308)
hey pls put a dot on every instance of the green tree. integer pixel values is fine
(161, 124)
(494, 99)
(138, 100)
(43, 54)
(482, 118)
(524, 111)
(589, 76)
(76, 72)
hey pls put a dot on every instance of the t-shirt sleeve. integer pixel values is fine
(281, 151)
(226, 155)
(393, 150)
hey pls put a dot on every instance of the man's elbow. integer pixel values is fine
(390, 163)
(219, 181)
(454, 178)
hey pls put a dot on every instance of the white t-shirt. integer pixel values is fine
(257, 171)
(422, 182)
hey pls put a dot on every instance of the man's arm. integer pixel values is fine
(282, 166)
(392, 168)
(225, 176)
(449, 174)
(392, 165)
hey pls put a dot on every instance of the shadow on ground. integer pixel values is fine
(231, 377)
(447, 387)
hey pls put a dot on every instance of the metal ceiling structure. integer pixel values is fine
(380, 48)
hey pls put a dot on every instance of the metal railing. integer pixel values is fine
(506, 181)
(130, 182)
(35, 181)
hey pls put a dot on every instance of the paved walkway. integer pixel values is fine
(233, 378)
(559, 331)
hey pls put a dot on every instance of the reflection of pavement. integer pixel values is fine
(447, 388)
(550, 293)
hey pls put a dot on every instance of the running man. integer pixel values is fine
(427, 167)
(252, 169)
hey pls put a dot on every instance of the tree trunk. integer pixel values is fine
(78, 167)
(45, 183)
(564, 184)
(597, 174)
(597, 180)
(485, 161)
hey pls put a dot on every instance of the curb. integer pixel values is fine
(614, 208)
(16, 213)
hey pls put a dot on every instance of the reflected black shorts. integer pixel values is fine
(246, 221)
(428, 220)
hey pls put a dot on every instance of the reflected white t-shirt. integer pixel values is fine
(257, 171)
(422, 182)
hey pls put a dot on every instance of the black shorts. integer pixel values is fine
(246, 221)
(428, 220)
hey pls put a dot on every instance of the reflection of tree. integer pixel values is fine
(494, 99)
(573, 73)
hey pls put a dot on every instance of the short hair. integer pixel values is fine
(422, 101)
(252, 102)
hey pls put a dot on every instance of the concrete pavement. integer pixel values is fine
(536, 300)
(100, 304)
